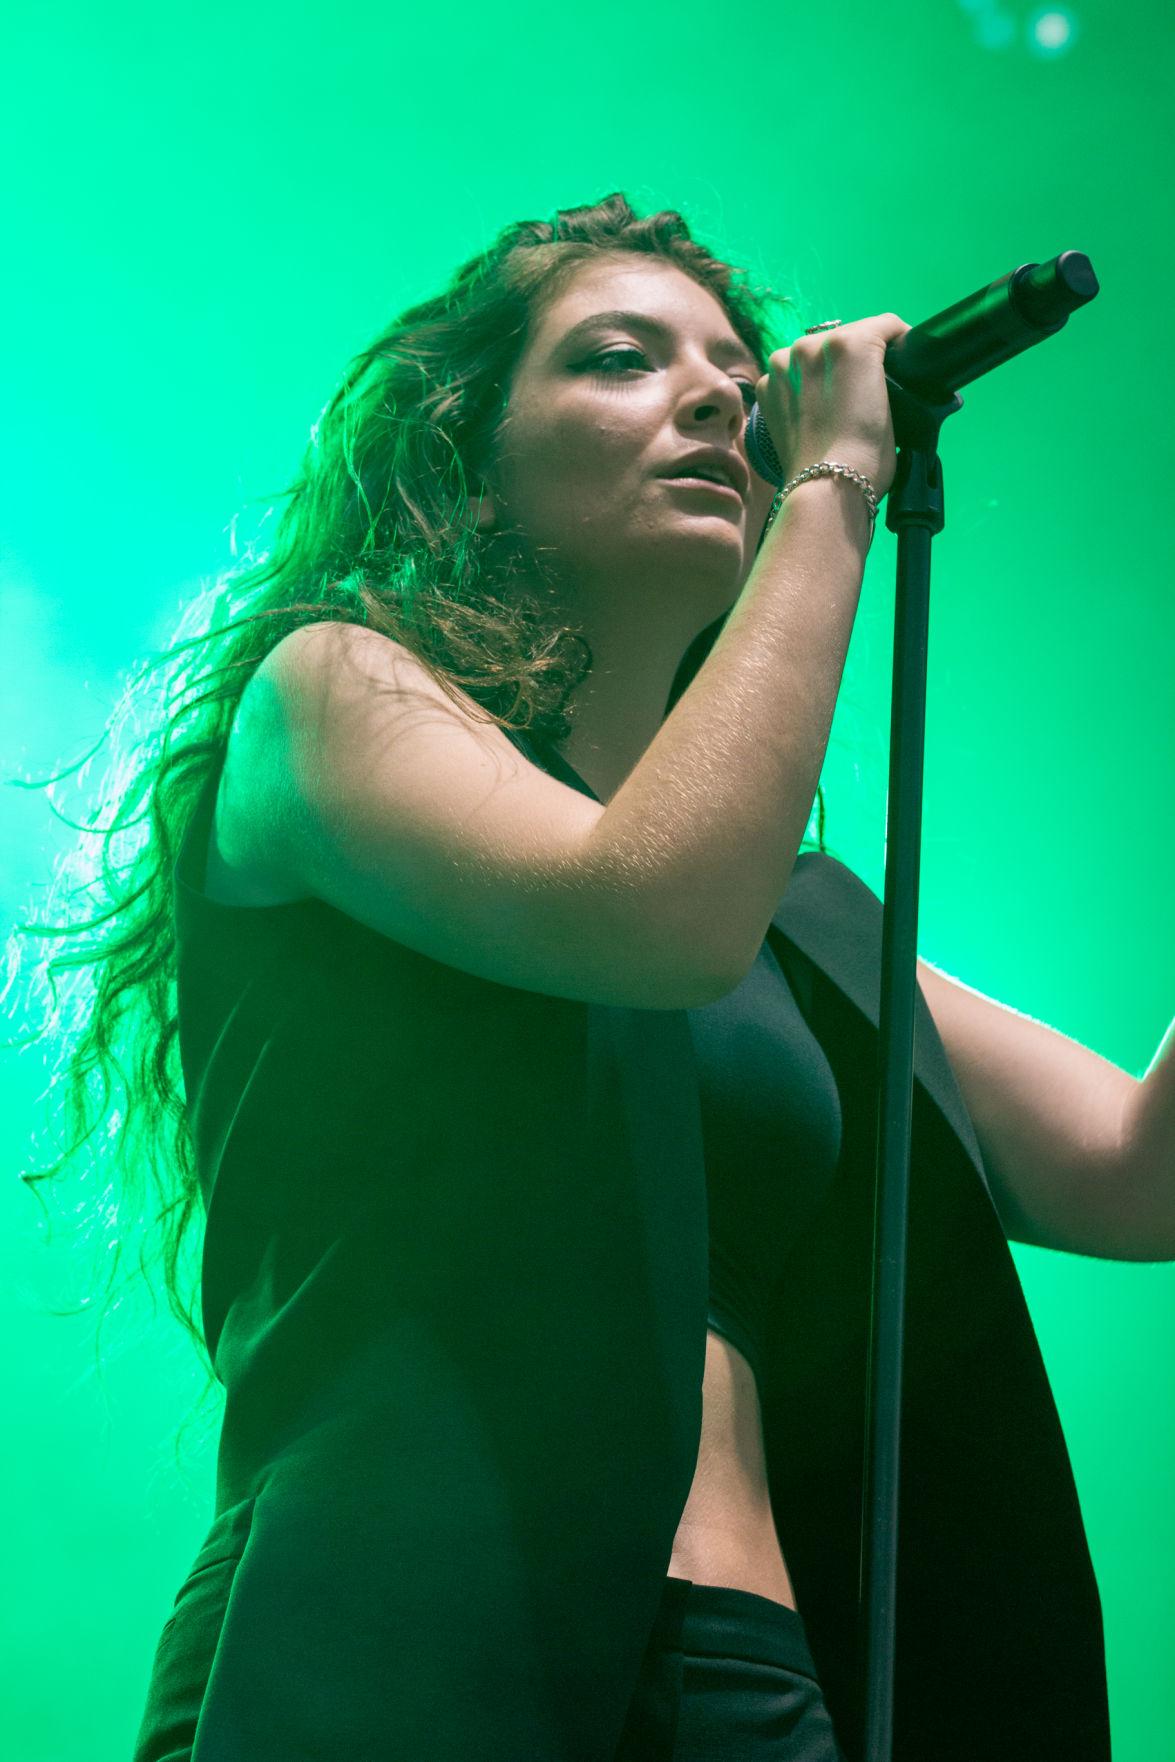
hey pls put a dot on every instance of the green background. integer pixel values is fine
(210, 211)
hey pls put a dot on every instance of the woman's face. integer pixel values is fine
(601, 410)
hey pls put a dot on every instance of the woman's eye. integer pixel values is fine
(614, 355)
(745, 385)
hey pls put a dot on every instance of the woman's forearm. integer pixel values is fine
(709, 821)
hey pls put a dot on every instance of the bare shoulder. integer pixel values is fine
(329, 669)
(234, 871)
(242, 867)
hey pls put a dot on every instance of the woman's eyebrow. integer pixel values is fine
(724, 348)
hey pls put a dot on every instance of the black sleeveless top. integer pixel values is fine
(771, 1130)
(770, 1110)
(454, 1286)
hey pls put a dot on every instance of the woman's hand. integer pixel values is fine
(826, 397)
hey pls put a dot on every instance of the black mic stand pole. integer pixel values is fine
(981, 332)
(915, 512)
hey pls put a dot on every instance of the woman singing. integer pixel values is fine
(527, 1084)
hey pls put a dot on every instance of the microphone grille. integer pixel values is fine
(761, 448)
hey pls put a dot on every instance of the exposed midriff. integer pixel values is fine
(726, 1534)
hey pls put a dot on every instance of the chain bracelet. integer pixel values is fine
(827, 468)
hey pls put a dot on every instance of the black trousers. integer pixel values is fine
(727, 1676)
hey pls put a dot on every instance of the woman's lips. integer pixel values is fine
(718, 489)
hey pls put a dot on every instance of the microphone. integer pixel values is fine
(934, 358)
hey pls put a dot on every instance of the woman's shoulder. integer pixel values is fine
(233, 874)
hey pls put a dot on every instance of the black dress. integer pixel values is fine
(455, 1285)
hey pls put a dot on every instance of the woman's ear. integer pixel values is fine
(481, 509)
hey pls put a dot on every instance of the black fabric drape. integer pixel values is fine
(455, 1283)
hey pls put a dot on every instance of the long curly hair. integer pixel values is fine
(376, 531)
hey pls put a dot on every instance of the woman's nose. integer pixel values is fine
(724, 397)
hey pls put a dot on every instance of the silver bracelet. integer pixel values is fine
(827, 468)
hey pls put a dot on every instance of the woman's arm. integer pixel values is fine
(712, 816)
(1080, 1154)
(1150, 1148)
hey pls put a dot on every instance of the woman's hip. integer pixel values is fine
(727, 1676)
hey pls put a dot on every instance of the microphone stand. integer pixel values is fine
(915, 511)
(932, 359)
(992, 325)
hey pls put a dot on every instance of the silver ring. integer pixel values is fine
(829, 324)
